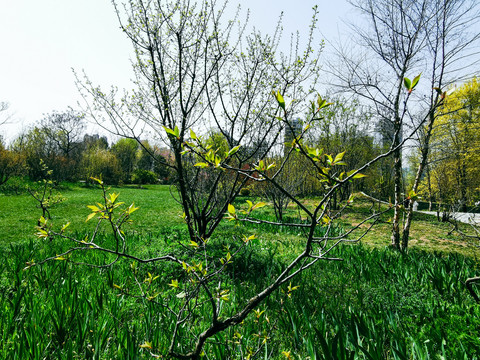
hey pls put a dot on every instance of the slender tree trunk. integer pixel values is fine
(418, 177)
(397, 174)
(430, 196)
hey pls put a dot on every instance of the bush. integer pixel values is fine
(245, 192)
(14, 186)
(143, 177)
(101, 163)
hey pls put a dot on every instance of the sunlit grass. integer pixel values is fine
(20, 213)
(375, 304)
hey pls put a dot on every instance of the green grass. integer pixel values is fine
(375, 304)
(20, 213)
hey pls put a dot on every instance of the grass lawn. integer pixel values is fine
(19, 213)
(375, 304)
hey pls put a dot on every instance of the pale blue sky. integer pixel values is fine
(42, 40)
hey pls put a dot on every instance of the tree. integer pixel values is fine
(291, 180)
(144, 160)
(57, 142)
(102, 164)
(10, 163)
(65, 130)
(406, 38)
(125, 150)
(347, 125)
(3, 109)
(194, 72)
(455, 146)
(451, 47)
(160, 159)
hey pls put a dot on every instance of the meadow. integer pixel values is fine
(375, 304)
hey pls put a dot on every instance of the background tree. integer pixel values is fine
(454, 159)
(145, 160)
(56, 142)
(347, 125)
(36, 146)
(125, 150)
(11, 163)
(4, 116)
(404, 39)
(161, 158)
(101, 164)
(94, 141)
(65, 130)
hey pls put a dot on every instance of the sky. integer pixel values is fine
(42, 41)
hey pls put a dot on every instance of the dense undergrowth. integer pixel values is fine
(375, 304)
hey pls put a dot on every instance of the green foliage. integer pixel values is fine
(418, 311)
(143, 177)
(102, 164)
(11, 164)
(245, 191)
(453, 174)
(125, 150)
(15, 186)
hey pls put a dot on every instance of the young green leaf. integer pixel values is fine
(201, 165)
(415, 80)
(233, 150)
(89, 217)
(146, 345)
(407, 83)
(174, 283)
(258, 205)
(339, 157)
(193, 135)
(280, 99)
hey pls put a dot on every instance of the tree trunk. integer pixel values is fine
(397, 174)
(418, 177)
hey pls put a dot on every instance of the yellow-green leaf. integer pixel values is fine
(93, 208)
(113, 197)
(174, 283)
(146, 345)
(258, 205)
(193, 135)
(280, 99)
(89, 217)
(132, 208)
(201, 165)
